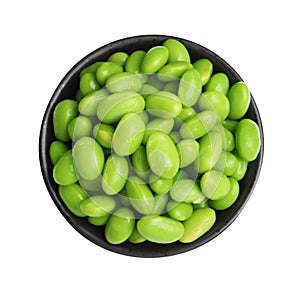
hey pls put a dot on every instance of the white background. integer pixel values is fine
(42, 40)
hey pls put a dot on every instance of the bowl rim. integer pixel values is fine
(44, 159)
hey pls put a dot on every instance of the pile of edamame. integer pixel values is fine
(152, 145)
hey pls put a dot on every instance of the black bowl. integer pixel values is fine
(67, 88)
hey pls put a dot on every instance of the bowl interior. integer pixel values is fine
(67, 89)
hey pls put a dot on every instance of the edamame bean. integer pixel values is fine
(140, 163)
(162, 155)
(198, 125)
(128, 135)
(56, 151)
(98, 205)
(229, 198)
(228, 141)
(92, 185)
(139, 195)
(103, 134)
(72, 195)
(79, 127)
(216, 101)
(91, 68)
(88, 104)
(63, 171)
(155, 82)
(160, 185)
(147, 90)
(241, 169)
(158, 124)
(218, 82)
(134, 61)
(119, 58)
(119, 226)
(172, 71)
(200, 222)
(171, 87)
(78, 96)
(154, 59)
(123, 82)
(160, 203)
(214, 185)
(227, 163)
(136, 237)
(114, 175)
(190, 87)
(210, 149)
(186, 190)
(247, 138)
(186, 113)
(160, 229)
(88, 158)
(188, 150)
(88, 83)
(179, 211)
(177, 51)
(63, 113)
(106, 70)
(230, 124)
(164, 104)
(205, 69)
(111, 109)
(239, 99)
(99, 221)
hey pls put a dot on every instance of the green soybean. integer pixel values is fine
(139, 195)
(136, 237)
(123, 82)
(99, 221)
(164, 104)
(214, 185)
(162, 155)
(210, 149)
(198, 125)
(171, 87)
(88, 104)
(160, 203)
(111, 109)
(160, 229)
(56, 151)
(186, 190)
(140, 163)
(134, 61)
(239, 99)
(128, 135)
(247, 137)
(79, 127)
(177, 51)
(78, 95)
(218, 82)
(63, 113)
(147, 90)
(88, 83)
(91, 68)
(154, 59)
(186, 113)
(241, 169)
(172, 71)
(179, 211)
(200, 222)
(88, 158)
(72, 195)
(216, 101)
(227, 163)
(91, 185)
(160, 185)
(63, 171)
(188, 150)
(205, 69)
(229, 198)
(230, 124)
(114, 175)
(98, 205)
(106, 70)
(190, 87)
(103, 134)
(119, 226)
(158, 124)
(119, 58)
